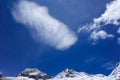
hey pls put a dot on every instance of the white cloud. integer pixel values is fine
(110, 16)
(43, 26)
(96, 35)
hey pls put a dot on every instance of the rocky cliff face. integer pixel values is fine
(68, 74)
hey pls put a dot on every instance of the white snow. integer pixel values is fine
(17, 78)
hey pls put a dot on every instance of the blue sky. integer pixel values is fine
(53, 35)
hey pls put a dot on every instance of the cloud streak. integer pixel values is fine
(119, 41)
(43, 26)
(109, 65)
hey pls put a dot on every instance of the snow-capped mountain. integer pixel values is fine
(34, 73)
(68, 74)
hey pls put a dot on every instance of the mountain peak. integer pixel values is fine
(116, 71)
(67, 73)
(34, 73)
(70, 73)
(31, 72)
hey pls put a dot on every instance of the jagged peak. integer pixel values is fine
(69, 70)
(70, 73)
(34, 73)
(116, 71)
(118, 65)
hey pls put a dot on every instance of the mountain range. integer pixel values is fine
(67, 74)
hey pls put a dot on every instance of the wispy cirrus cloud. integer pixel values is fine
(110, 16)
(109, 65)
(45, 27)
